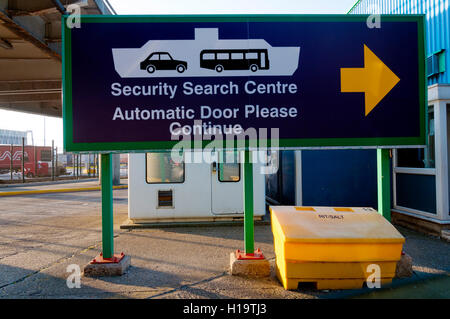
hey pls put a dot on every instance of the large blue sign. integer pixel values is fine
(140, 83)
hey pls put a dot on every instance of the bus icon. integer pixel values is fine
(224, 59)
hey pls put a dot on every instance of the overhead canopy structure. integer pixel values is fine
(30, 52)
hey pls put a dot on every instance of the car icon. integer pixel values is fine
(162, 61)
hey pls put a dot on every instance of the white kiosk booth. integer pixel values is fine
(163, 190)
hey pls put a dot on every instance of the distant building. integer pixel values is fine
(13, 137)
(421, 176)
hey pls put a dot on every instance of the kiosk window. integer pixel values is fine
(229, 167)
(161, 168)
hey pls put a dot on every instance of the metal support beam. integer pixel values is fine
(53, 160)
(56, 161)
(384, 183)
(40, 85)
(16, 13)
(441, 159)
(59, 6)
(298, 178)
(5, 44)
(24, 34)
(23, 159)
(52, 108)
(116, 169)
(11, 153)
(30, 91)
(29, 97)
(37, 7)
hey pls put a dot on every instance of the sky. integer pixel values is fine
(231, 6)
(53, 126)
(18, 121)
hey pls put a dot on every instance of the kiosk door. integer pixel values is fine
(226, 184)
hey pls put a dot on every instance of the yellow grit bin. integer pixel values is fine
(333, 247)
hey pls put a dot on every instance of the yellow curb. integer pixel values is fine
(61, 190)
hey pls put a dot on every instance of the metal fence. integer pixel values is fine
(25, 163)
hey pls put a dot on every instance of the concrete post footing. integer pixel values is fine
(108, 269)
(249, 268)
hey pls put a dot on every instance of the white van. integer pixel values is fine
(163, 190)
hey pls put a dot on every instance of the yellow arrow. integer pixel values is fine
(375, 80)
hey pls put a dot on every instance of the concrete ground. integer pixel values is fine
(41, 235)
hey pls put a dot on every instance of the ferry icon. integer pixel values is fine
(207, 56)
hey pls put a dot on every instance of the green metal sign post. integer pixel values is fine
(384, 183)
(107, 206)
(248, 203)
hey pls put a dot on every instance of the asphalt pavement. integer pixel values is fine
(41, 235)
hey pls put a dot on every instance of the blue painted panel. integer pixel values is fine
(288, 180)
(272, 186)
(281, 186)
(417, 192)
(339, 178)
(437, 15)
